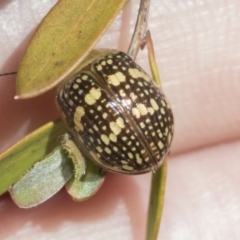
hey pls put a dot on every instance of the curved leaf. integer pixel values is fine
(62, 41)
(42, 181)
(88, 177)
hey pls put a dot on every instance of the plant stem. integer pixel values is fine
(141, 29)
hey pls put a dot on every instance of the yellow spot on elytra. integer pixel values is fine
(138, 158)
(142, 125)
(75, 86)
(96, 92)
(166, 131)
(109, 61)
(78, 80)
(70, 102)
(136, 112)
(99, 149)
(116, 79)
(151, 111)
(115, 128)
(89, 99)
(162, 111)
(79, 113)
(143, 151)
(99, 67)
(105, 139)
(154, 104)
(107, 150)
(133, 96)
(146, 159)
(126, 167)
(104, 115)
(135, 73)
(124, 138)
(122, 93)
(124, 162)
(113, 137)
(152, 144)
(169, 137)
(130, 155)
(93, 95)
(120, 122)
(160, 144)
(84, 77)
(142, 109)
(163, 103)
(78, 126)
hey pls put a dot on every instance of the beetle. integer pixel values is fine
(116, 114)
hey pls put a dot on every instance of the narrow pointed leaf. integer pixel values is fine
(158, 183)
(43, 180)
(156, 201)
(63, 39)
(15, 161)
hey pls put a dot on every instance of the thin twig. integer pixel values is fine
(140, 31)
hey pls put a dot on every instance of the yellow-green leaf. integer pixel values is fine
(20, 157)
(156, 201)
(63, 39)
(158, 183)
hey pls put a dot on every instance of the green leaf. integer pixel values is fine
(45, 179)
(156, 201)
(62, 41)
(158, 183)
(88, 184)
(20, 157)
(88, 176)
